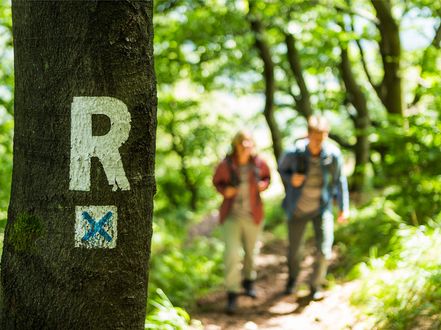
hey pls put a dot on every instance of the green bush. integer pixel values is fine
(401, 290)
(184, 270)
(163, 315)
(275, 218)
(411, 166)
(369, 234)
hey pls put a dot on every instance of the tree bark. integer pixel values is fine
(303, 101)
(80, 55)
(361, 121)
(270, 85)
(390, 49)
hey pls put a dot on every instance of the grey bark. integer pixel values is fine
(65, 49)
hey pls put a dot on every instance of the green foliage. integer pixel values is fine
(405, 293)
(184, 269)
(190, 140)
(26, 230)
(163, 315)
(275, 218)
(411, 166)
(369, 235)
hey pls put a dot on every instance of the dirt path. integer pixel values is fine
(273, 310)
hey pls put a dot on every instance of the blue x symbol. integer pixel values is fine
(97, 226)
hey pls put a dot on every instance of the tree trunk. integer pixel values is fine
(270, 85)
(77, 241)
(390, 49)
(189, 184)
(361, 122)
(303, 100)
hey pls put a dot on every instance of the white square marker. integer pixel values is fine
(96, 226)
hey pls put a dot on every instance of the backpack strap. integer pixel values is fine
(234, 178)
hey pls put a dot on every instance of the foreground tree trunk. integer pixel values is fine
(77, 241)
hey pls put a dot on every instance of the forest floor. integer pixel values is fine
(276, 311)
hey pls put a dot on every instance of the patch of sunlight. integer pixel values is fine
(250, 326)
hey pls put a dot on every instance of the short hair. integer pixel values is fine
(318, 123)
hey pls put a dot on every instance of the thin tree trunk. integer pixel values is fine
(361, 121)
(303, 101)
(270, 85)
(390, 49)
(77, 241)
(189, 184)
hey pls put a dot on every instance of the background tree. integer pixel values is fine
(188, 151)
(326, 57)
(64, 50)
(290, 53)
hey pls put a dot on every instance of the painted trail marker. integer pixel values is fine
(96, 226)
(84, 145)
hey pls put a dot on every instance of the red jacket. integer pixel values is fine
(222, 179)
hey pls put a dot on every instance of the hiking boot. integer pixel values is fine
(249, 290)
(289, 288)
(231, 303)
(317, 293)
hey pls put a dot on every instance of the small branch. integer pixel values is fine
(344, 144)
(350, 11)
(375, 86)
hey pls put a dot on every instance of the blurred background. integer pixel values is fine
(371, 66)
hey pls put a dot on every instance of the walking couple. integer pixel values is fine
(312, 176)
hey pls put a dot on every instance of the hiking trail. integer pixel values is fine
(276, 311)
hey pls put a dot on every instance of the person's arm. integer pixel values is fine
(286, 167)
(264, 175)
(342, 191)
(222, 181)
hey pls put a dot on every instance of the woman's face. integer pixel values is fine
(244, 148)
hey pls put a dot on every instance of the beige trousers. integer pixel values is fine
(240, 237)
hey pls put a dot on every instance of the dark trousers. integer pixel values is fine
(324, 236)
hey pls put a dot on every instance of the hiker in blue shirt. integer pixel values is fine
(313, 177)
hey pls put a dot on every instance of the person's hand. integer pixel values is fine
(261, 186)
(343, 217)
(297, 180)
(230, 192)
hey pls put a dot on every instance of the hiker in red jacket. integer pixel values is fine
(240, 177)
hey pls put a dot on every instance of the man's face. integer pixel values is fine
(316, 139)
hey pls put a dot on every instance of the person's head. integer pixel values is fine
(318, 130)
(242, 145)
